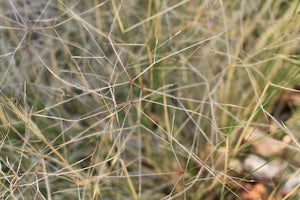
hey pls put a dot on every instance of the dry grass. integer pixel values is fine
(139, 99)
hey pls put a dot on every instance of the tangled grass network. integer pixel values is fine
(152, 99)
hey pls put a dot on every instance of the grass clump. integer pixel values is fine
(140, 99)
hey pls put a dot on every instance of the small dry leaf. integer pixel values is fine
(263, 144)
(269, 147)
(253, 134)
(260, 168)
(292, 182)
(287, 139)
(236, 165)
(273, 126)
(293, 156)
(256, 191)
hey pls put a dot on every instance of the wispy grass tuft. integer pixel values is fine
(140, 99)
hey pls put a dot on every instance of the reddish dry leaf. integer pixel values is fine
(256, 191)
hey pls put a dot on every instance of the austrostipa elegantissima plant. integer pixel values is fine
(141, 99)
